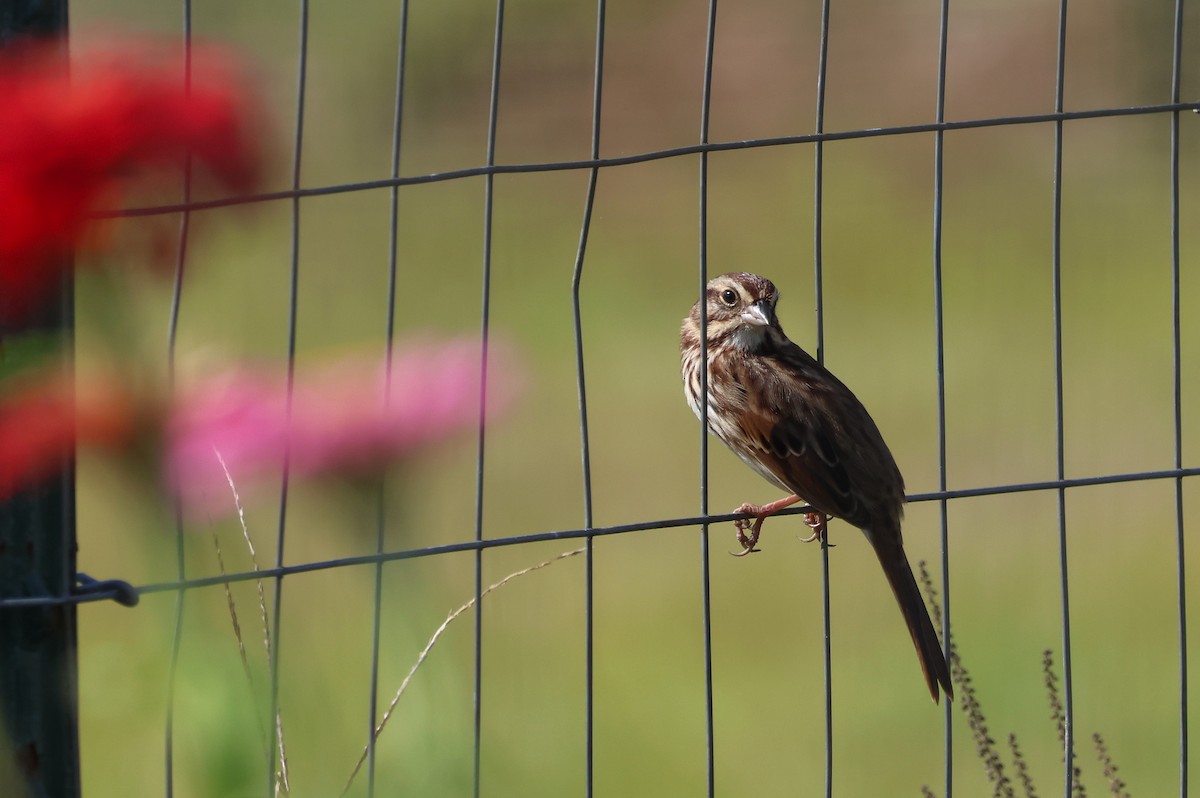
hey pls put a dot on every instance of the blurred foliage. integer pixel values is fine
(640, 277)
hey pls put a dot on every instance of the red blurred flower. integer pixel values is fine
(67, 139)
(339, 422)
(41, 422)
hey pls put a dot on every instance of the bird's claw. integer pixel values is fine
(748, 529)
(819, 524)
(747, 541)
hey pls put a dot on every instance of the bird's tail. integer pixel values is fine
(900, 576)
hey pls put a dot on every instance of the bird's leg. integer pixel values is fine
(818, 523)
(760, 512)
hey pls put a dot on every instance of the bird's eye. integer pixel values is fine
(729, 297)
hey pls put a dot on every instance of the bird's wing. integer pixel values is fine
(816, 438)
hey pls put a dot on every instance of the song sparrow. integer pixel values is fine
(797, 425)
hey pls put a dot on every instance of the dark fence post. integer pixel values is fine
(38, 679)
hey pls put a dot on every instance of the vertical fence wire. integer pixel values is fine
(1059, 417)
(819, 293)
(586, 458)
(584, 437)
(185, 219)
(485, 313)
(1177, 358)
(702, 259)
(939, 160)
(276, 774)
(389, 348)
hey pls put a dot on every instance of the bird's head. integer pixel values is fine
(740, 308)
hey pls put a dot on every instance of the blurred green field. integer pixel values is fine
(639, 279)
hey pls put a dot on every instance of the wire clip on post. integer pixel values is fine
(86, 589)
(118, 590)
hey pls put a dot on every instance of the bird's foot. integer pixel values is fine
(748, 529)
(819, 524)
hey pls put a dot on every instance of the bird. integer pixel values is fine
(796, 424)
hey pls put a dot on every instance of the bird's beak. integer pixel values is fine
(760, 314)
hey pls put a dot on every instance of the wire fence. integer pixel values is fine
(1175, 114)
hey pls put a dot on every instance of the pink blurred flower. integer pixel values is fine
(339, 422)
(68, 140)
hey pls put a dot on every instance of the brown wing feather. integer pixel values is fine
(794, 425)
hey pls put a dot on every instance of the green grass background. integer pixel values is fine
(639, 280)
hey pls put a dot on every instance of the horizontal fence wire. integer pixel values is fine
(652, 155)
(581, 533)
